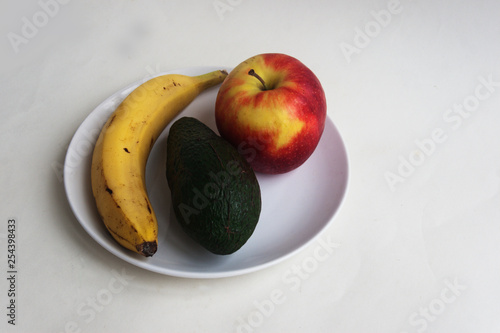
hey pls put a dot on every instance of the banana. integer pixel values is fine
(122, 150)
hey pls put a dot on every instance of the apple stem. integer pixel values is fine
(252, 72)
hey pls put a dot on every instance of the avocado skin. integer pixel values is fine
(215, 193)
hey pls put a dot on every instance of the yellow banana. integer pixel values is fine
(123, 147)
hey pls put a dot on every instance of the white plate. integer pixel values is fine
(296, 206)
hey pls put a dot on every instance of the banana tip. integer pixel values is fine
(147, 249)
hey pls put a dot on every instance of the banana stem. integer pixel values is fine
(211, 79)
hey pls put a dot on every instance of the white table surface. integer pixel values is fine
(413, 87)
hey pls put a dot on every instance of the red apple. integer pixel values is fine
(273, 109)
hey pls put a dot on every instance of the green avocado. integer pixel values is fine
(215, 193)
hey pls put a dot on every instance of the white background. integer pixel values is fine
(417, 244)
